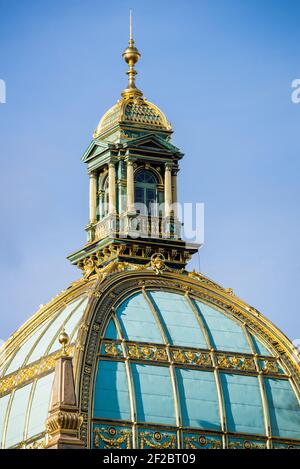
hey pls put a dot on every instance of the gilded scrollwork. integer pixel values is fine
(109, 437)
(235, 443)
(155, 439)
(147, 352)
(31, 372)
(270, 367)
(38, 443)
(112, 349)
(234, 362)
(202, 441)
(191, 357)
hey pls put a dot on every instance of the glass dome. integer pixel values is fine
(177, 372)
(26, 374)
(170, 371)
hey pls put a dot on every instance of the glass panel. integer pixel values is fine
(179, 319)
(284, 408)
(154, 394)
(137, 320)
(72, 324)
(17, 416)
(111, 391)
(3, 408)
(21, 354)
(259, 347)
(40, 406)
(111, 331)
(198, 399)
(243, 404)
(54, 328)
(225, 333)
(139, 195)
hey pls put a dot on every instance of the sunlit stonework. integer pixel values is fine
(140, 352)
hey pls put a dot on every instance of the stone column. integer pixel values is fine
(93, 197)
(130, 187)
(168, 190)
(101, 201)
(174, 192)
(112, 188)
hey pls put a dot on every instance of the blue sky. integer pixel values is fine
(220, 69)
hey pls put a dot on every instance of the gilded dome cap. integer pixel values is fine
(133, 111)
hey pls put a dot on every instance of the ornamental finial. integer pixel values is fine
(64, 341)
(131, 56)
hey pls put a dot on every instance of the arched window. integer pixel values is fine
(146, 192)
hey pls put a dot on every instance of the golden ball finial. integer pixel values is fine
(63, 340)
(131, 55)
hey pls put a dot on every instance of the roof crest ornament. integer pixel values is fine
(131, 55)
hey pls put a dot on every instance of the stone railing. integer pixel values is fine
(135, 226)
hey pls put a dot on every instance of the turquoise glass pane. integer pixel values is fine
(225, 333)
(16, 422)
(71, 326)
(111, 331)
(154, 394)
(3, 408)
(40, 405)
(111, 391)
(259, 347)
(198, 399)
(44, 342)
(23, 351)
(137, 320)
(284, 408)
(179, 319)
(243, 404)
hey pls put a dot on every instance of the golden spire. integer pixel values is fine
(131, 56)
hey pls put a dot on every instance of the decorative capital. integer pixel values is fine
(130, 161)
(64, 421)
